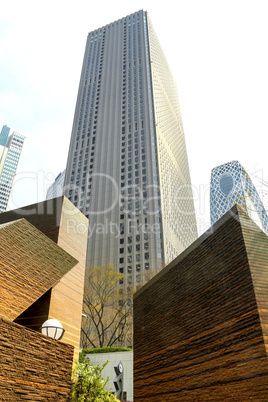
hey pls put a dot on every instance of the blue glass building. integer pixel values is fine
(4, 134)
(230, 184)
(9, 159)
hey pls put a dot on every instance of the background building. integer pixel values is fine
(127, 167)
(56, 188)
(4, 134)
(230, 184)
(10, 151)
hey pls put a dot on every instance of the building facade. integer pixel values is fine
(56, 188)
(230, 184)
(10, 151)
(127, 167)
(4, 134)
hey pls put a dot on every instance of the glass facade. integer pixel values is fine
(3, 135)
(56, 188)
(127, 167)
(230, 184)
(9, 159)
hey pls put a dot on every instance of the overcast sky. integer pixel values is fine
(216, 49)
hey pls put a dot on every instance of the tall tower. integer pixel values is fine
(56, 188)
(10, 151)
(127, 167)
(230, 184)
(4, 134)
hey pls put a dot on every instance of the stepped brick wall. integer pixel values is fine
(30, 264)
(199, 325)
(33, 367)
(63, 223)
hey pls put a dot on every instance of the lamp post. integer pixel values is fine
(53, 329)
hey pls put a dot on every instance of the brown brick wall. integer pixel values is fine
(33, 367)
(30, 264)
(70, 290)
(257, 253)
(197, 329)
(62, 222)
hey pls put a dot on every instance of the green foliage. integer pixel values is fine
(89, 384)
(108, 349)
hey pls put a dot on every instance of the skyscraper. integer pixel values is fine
(4, 134)
(230, 184)
(127, 167)
(10, 151)
(56, 188)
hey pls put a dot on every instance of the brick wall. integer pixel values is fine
(197, 328)
(30, 264)
(63, 223)
(33, 367)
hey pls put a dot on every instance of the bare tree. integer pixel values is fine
(107, 309)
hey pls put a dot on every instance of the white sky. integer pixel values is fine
(217, 51)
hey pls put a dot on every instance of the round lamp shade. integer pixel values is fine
(53, 329)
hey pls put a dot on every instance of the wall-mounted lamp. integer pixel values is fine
(53, 329)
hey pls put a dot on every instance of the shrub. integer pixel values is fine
(88, 385)
(101, 350)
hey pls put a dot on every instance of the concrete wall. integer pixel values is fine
(127, 360)
(200, 326)
(33, 367)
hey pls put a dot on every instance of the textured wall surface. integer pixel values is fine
(62, 222)
(30, 264)
(198, 326)
(257, 252)
(33, 367)
(72, 237)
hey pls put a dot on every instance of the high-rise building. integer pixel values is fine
(4, 134)
(10, 151)
(56, 188)
(127, 167)
(230, 184)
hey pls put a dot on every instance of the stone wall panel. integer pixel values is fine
(33, 367)
(197, 328)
